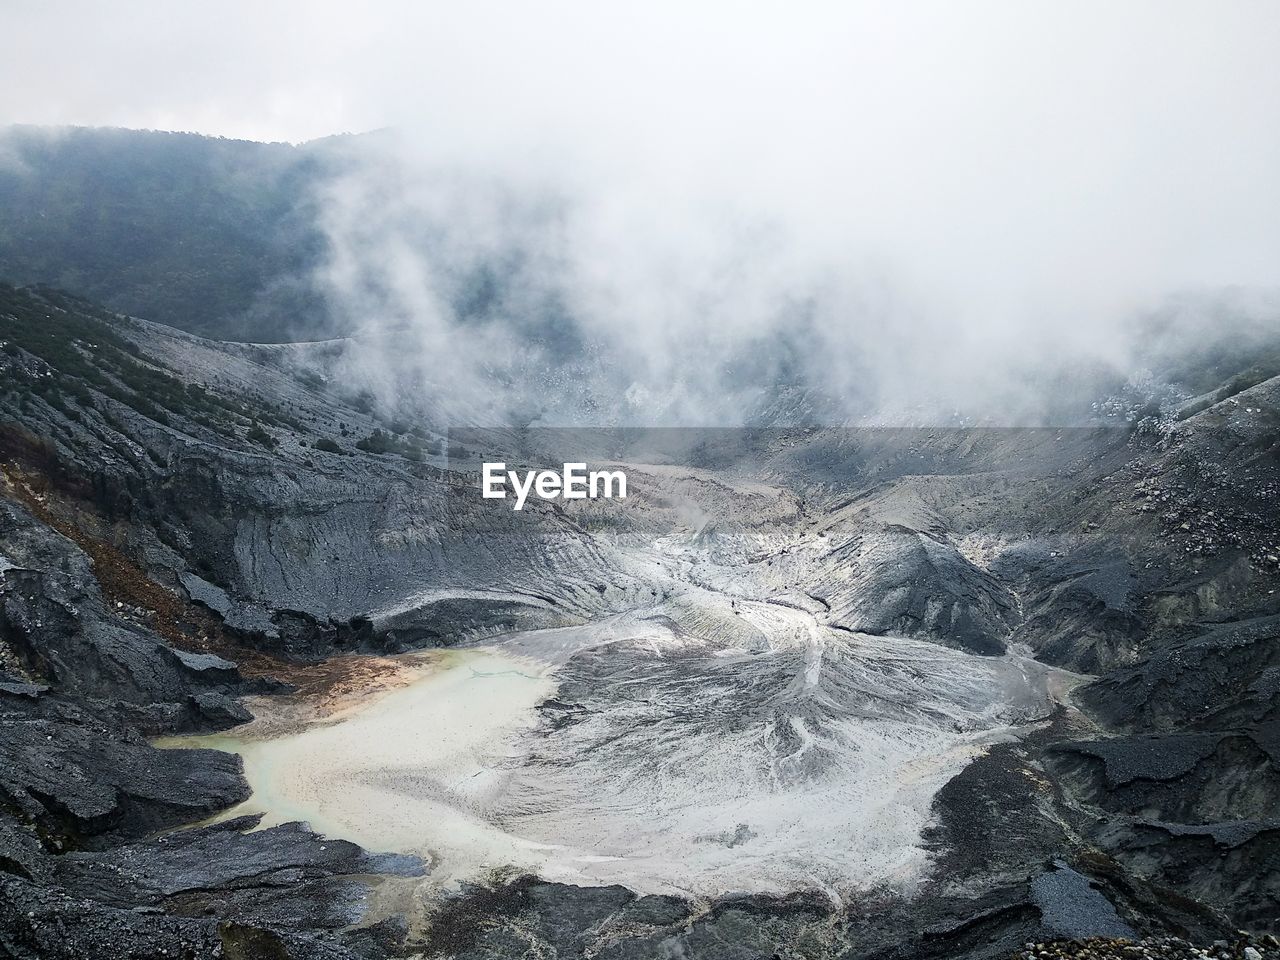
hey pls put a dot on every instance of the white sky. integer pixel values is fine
(744, 72)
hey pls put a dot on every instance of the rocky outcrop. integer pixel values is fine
(906, 582)
(56, 627)
(1224, 675)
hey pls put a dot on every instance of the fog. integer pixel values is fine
(674, 210)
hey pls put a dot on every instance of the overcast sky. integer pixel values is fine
(1005, 165)
(957, 72)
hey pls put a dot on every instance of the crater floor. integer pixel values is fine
(624, 752)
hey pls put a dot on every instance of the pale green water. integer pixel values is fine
(411, 772)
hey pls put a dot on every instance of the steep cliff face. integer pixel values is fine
(186, 522)
(243, 483)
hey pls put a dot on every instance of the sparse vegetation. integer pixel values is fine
(77, 349)
(260, 436)
(382, 442)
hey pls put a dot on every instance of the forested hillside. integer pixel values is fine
(210, 235)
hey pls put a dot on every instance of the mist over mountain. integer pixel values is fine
(560, 292)
(871, 211)
(209, 235)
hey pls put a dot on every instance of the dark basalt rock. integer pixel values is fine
(1188, 778)
(1227, 675)
(1126, 759)
(82, 787)
(1078, 602)
(43, 923)
(1070, 906)
(1229, 864)
(21, 853)
(57, 627)
(907, 583)
(282, 876)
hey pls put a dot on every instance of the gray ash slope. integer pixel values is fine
(175, 516)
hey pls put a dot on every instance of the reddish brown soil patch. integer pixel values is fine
(186, 626)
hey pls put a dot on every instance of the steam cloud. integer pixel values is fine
(611, 298)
